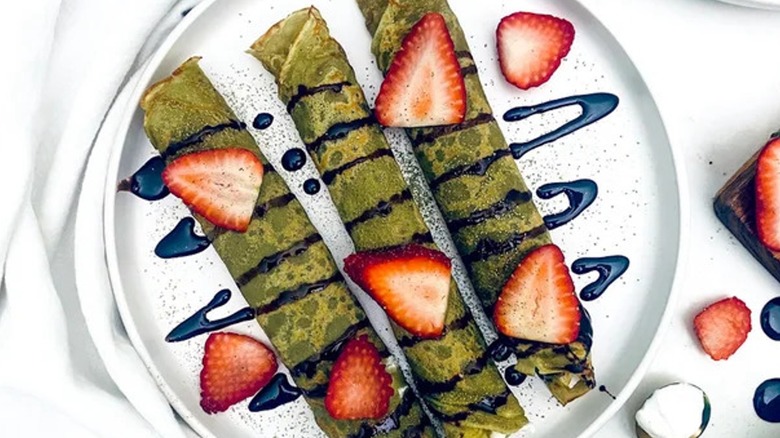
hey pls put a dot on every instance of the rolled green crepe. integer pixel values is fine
(481, 194)
(281, 265)
(454, 373)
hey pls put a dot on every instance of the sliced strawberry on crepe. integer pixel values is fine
(412, 284)
(723, 327)
(235, 367)
(768, 195)
(222, 185)
(531, 47)
(538, 302)
(424, 84)
(359, 387)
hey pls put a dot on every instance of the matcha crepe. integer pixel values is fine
(281, 265)
(481, 194)
(453, 373)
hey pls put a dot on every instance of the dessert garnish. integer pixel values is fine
(359, 387)
(768, 195)
(235, 367)
(610, 268)
(222, 185)
(580, 194)
(182, 241)
(723, 327)
(424, 85)
(411, 283)
(538, 302)
(766, 401)
(679, 410)
(531, 47)
(770, 319)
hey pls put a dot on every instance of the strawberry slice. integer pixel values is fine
(538, 302)
(424, 85)
(222, 185)
(768, 195)
(235, 367)
(723, 327)
(531, 47)
(360, 387)
(411, 283)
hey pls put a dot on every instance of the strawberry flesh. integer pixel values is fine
(424, 84)
(222, 185)
(768, 195)
(538, 302)
(531, 47)
(360, 387)
(723, 327)
(411, 283)
(235, 367)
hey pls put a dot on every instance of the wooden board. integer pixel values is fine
(735, 207)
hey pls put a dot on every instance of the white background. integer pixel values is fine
(715, 72)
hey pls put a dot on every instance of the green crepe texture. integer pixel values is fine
(470, 170)
(306, 328)
(453, 373)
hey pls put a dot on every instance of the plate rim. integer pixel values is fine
(109, 231)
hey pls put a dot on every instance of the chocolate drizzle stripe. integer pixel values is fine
(391, 422)
(340, 131)
(297, 294)
(487, 248)
(478, 168)
(304, 91)
(513, 199)
(176, 147)
(275, 260)
(309, 366)
(460, 54)
(329, 176)
(470, 70)
(422, 238)
(433, 133)
(278, 202)
(458, 324)
(472, 368)
(383, 209)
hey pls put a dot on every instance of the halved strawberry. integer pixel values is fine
(222, 185)
(360, 387)
(768, 195)
(424, 84)
(723, 327)
(411, 283)
(531, 47)
(538, 302)
(235, 367)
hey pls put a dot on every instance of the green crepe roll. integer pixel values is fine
(453, 373)
(481, 193)
(281, 265)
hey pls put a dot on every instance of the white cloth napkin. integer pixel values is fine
(65, 362)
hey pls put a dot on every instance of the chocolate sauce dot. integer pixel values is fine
(514, 377)
(263, 121)
(770, 319)
(311, 186)
(766, 401)
(293, 160)
(499, 351)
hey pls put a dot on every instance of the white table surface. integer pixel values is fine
(715, 72)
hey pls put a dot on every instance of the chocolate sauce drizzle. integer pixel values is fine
(472, 368)
(279, 391)
(299, 293)
(609, 269)
(458, 324)
(182, 241)
(147, 182)
(198, 137)
(422, 238)
(278, 202)
(431, 134)
(340, 131)
(487, 248)
(199, 323)
(580, 193)
(766, 401)
(594, 108)
(383, 209)
(392, 421)
(330, 176)
(470, 70)
(304, 91)
(275, 260)
(478, 168)
(513, 199)
(308, 367)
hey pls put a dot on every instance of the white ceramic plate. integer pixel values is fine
(761, 4)
(639, 211)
